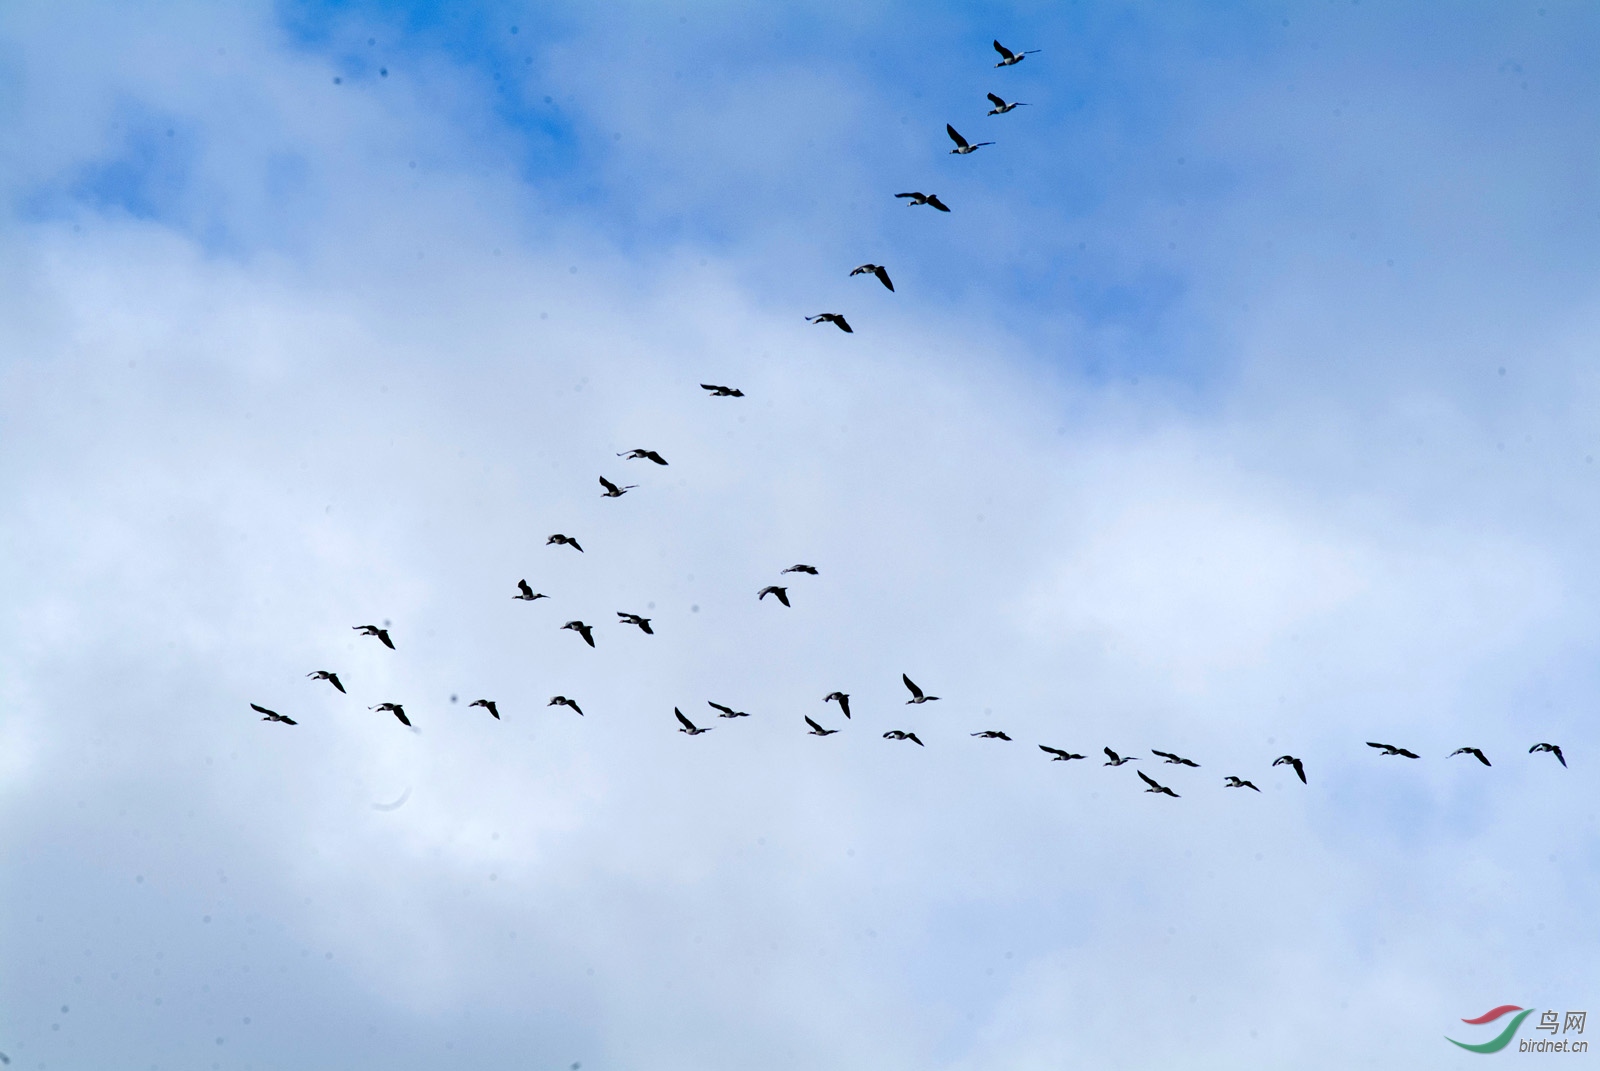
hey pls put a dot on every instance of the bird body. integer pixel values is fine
(726, 712)
(991, 734)
(612, 490)
(527, 594)
(689, 726)
(817, 730)
(835, 318)
(1113, 759)
(396, 709)
(563, 540)
(635, 619)
(774, 589)
(896, 734)
(842, 698)
(962, 145)
(719, 391)
(326, 675)
(1009, 58)
(876, 270)
(1474, 752)
(487, 704)
(1155, 786)
(1235, 782)
(1174, 760)
(586, 631)
(1552, 749)
(1001, 107)
(563, 701)
(643, 455)
(1058, 755)
(809, 570)
(272, 715)
(374, 630)
(920, 198)
(1390, 749)
(1290, 760)
(916, 693)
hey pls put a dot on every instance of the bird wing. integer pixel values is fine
(687, 724)
(883, 276)
(1147, 779)
(960, 141)
(998, 103)
(933, 199)
(1047, 749)
(609, 486)
(1005, 53)
(522, 586)
(916, 693)
(813, 724)
(402, 716)
(861, 269)
(1380, 747)
(263, 710)
(783, 596)
(913, 738)
(1163, 754)
(844, 325)
(911, 195)
(719, 706)
(383, 634)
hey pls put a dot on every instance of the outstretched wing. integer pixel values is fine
(687, 724)
(813, 724)
(1005, 53)
(998, 103)
(883, 277)
(961, 142)
(1147, 779)
(916, 693)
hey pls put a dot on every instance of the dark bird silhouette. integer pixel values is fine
(726, 712)
(878, 270)
(689, 726)
(837, 319)
(916, 693)
(646, 455)
(563, 701)
(817, 730)
(1001, 107)
(1474, 752)
(563, 540)
(991, 734)
(1009, 58)
(327, 675)
(1390, 749)
(396, 709)
(718, 391)
(809, 570)
(612, 490)
(1234, 782)
(1113, 759)
(272, 715)
(527, 594)
(930, 199)
(962, 145)
(635, 619)
(896, 734)
(1174, 760)
(773, 589)
(487, 704)
(1552, 748)
(374, 630)
(1058, 755)
(586, 631)
(1290, 760)
(842, 698)
(1155, 786)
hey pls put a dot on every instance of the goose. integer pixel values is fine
(1009, 58)
(1290, 760)
(645, 455)
(272, 715)
(718, 391)
(612, 490)
(1174, 760)
(916, 693)
(586, 631)
(963, 147)
(920, 198)
(842, 698)
(327, 675)
(1058, 755)
(1552, 748)
(835, 318)
(689, 726)
(1113, 759)
(635, 619)
(1155, 786)
(563, 701)
(563, 541)
(1235, 782)
(991, 734)
(527, 594)
(878, 270)
(773, 589)
(374, 630)
(487, 704)
(394, 708)
(1001, 107)
(809, 570)
(1390, 749)
(817, 730)
(727, 712)
(896, 734)
(1474, 752)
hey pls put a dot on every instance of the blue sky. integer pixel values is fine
(1244, 403)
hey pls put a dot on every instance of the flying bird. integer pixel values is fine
(896, 734)
(1552, 748)
(916, 693)
(1001, 107)
(586, 631)
(1155, 786)
(327, 675)
(689, 726)
(1390, 749)
(991, 734)
(718, 391)
(930, 199)
(563, 540)
(1113, 759)
(1058, 755)
(1290, 760)
(635, 619)
(527, 594)
(374, 630)
(1234, 782)
(727, 712)
(842, 698)
(1174, 760)
(773, 589)
(1474, 752)
(613, 491)
(1009, 58)
(487, 704)
(563, 701)
(647, 455)
(272, 715)
(809, 570)
(817, 730)
(834, 318)
(874, 269)
(963, 147)
(396, 709)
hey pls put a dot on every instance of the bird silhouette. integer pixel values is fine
(374, 630)
(896, 734)
(635, 619)
(962, 145)
(689, 726)
(726, 712)
(563, 701)
(1174, 760)
(718, 391)
(817, 730)
(773, 589)
(1058, 755)
(877, 270)
(990, 734)
(920, 198)
(837, 319)
(563, 541)
(1113, 759)
(809, 570)
(916, 693)
(612, 490)
(487, 704)
(842, 698)
(527, 594)
(644, 455)
(1235, 782)
(327, 675)
(1009, 58)
(1155, 786)
(396, 709)
(1552, 748)
(1290, 760)
(586, 631)
(1474, 752)
(1001, 107)
(1390, 749)
(272, 715)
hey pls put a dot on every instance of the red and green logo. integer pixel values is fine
(1499, 1042)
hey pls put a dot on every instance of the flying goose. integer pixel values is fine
(394, 708)
(1390, 749)
(1113, 759)
(718, 391)
(563, 701)
(875, 269)
(1290, 760)
(647, 455)
(272, 715)
(896, 734)
(842, 698)
(1058, 755)
(635, 619)
(727, 712)
(563, 540)
(963, 147)
(916, 693)
(991, 734)
(1474, 752)
(612, 490)
(817, 730)
(689, 726)
(809, 570)
(327, 675)
(527, 594)
(1155, 786)
(1001, 107)
(1552, 748)
(1234, 782)
(374, 630)
(1174, 760)
(1009, 58)
(930, 199)
(487, 704)
(586, 631)
(773, 589)
(835, 318)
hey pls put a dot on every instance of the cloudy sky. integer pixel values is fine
(1245, 403)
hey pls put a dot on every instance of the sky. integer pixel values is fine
(1245, 403)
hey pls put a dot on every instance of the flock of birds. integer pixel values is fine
(780, 592)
